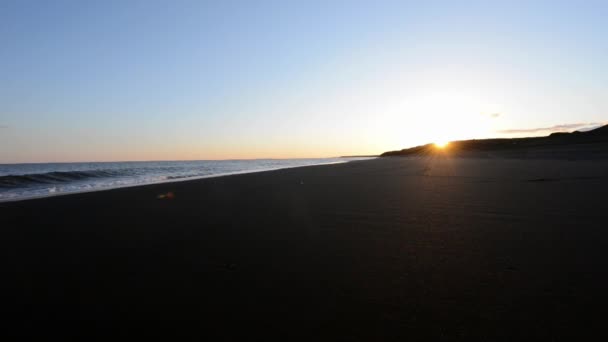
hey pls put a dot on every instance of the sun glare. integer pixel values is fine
(441, 144)
(452, 114)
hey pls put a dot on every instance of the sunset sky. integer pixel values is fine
(172, 80)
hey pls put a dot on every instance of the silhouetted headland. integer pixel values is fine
(589, 144)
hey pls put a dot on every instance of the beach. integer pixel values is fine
(403, 248)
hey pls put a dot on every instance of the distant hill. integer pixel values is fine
(603, 130)
(594, 139)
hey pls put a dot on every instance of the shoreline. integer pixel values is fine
(166, 181)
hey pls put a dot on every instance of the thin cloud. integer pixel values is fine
(3, 126)
(556, 128)
(494, 115)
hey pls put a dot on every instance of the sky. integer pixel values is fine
(184, 80)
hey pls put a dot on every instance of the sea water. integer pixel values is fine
(23, 181)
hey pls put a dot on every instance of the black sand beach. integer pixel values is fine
(416, 248)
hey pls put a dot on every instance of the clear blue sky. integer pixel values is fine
(150, 80)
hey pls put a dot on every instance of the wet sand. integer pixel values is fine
(433, 248)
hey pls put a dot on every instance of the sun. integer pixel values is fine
(441, 144)
(444, 115)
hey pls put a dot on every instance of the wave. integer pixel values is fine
(56, 177)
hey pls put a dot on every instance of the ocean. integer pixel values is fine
(23, 181)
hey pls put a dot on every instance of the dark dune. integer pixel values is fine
(433, 248)
(575, 145)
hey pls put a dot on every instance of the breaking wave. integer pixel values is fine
(57, 177)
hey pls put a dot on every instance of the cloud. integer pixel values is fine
(3, 126)
(556, 128)
(494, 115)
